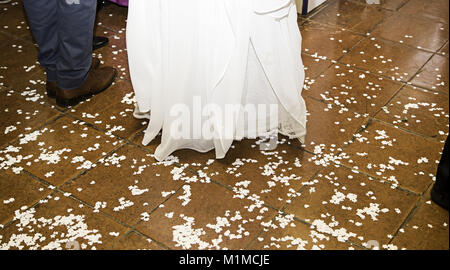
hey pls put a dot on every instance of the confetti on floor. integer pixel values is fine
(377, 95)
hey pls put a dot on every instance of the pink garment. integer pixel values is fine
(120, 2)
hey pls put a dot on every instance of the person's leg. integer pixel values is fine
(75, 32)
(76, 80)
(440, 191)
(42, 18)
(100, 4)
(100, 41)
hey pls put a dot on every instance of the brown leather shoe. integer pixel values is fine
(52, 86)
(98, 80)
(51, 89)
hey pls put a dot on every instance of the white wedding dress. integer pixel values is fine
(185, 55)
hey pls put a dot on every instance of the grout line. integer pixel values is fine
(338, 62)
(407, 82)
(70, 179)
(368, 34)
(111, 246)
(39, 127)
(162, 245)
(96, 162)
(340, 164)
(402, 5)
(106, 215)
(411, 132)
(407, 130)
(132, 230)
(129, 142)
(60, 189)
(420, 69)
(352, 243)
(407, 219)
(389, 100)
(251, 242)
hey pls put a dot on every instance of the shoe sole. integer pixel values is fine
(74, 101)
(52, 93)
(94, 48)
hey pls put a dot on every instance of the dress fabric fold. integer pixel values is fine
(191, 61)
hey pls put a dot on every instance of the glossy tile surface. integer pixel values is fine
(434, 75)
(418, 110)
(352, 207)
(352, 15)
(393, 155)
(376, 91)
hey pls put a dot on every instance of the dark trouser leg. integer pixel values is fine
(42, 17)
(440, 191)
(75, 30)
(100, 41)
(100, 4)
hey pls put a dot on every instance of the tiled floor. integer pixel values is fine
(377, 95)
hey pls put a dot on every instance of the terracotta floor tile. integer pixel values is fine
(17, 191)
(302, 19)
(427, 194)
(444, 50)
(351, 206)
(4, 38)
(134, 241)
(421, 111)
(401, 158)
(387, 4)
(351, 89)
(112, 110)
(100, 30)
(58, 151)
(113, 17)
(20, 113)
(19, 63)
(390, 59)
(33, 88)
(13, 21)
(137, 139)
(427, 229)
(57, 221)
(414, 31)
(206, 216)
(364, 64)
(273, 175)
(351, 15)
(436, 9)
(314, 66)
(193, 159)
(287, 234)
(127, 185)
(330, 42)
(434, 75)
(115, 54)
(330, 126)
